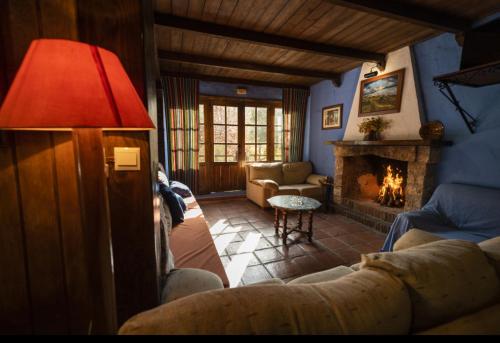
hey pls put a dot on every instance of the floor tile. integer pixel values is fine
(269, 255)
(255, 274)
(283, 269)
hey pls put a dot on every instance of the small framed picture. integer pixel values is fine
(332, 117)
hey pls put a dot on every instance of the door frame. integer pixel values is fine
(210, 170)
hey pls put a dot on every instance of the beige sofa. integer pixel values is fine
(265, 180)
(438, 287)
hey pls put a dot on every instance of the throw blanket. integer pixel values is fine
(454, 211)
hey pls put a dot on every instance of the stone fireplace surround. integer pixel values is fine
(421, 157)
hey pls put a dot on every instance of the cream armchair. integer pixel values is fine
(265, 180)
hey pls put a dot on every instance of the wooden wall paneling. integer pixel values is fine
(116, 25)
(131, 210)
(73, 235)
(88, 149)
(4, 34)
(15, 299)
(57, 19)
(38, 191)
(22, 22)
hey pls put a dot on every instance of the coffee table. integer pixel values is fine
(286, 204)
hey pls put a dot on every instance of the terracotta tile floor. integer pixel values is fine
(244, 237)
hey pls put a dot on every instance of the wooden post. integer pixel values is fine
(89, 154)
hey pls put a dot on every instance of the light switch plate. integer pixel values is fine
(127, 159)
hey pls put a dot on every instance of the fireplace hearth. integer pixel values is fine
(376, 180)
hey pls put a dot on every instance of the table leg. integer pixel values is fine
(310, 229)
(276, 221)
(285, 233)
(299, 223)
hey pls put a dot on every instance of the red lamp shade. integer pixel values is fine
(65, 84)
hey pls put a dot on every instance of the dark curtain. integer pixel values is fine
(294, 110)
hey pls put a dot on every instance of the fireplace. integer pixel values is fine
(374, 181)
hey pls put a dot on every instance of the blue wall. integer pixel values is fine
(325, 94)
(227, 89)
(474, 158)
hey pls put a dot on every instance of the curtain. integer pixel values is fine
(294, 110)
(182, 110)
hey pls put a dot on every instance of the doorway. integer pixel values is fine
(233, 132)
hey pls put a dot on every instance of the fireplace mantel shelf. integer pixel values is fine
(419, 142)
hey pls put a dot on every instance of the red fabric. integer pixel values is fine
(67, 84)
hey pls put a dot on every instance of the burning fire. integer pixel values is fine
(391, 192)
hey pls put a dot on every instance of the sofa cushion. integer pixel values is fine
(315, 179)
(413, 238)
(307, 190)
(296, 172)
(183, 282)
(365, 302)
(263, 171)
(273, 281)
(469, 208)
(174, 202)
(446, 279)
(181, 189)
(267, 184)
(491, 249)
(323, 276)
(483, 322)
(192, 244)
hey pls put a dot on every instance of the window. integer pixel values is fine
(225, 123)
(278, 134)
(201, 134)
(255, 134)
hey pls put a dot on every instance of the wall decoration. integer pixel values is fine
(332, 117)
(381, 94)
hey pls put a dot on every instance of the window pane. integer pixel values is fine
(250, 115)
(219, 150)
(219, 134)
(232, 134)
(219, 159)
(201, 154)
(278, 136)
(232, 115)
(277, 152)
(261, 116)
(201, 134)
(249, 134)
(278, 117)
(261, 134)
(262, 158)
(250, 152)
(202, 114)
(262, 150)
(219, 115)
(232, 153)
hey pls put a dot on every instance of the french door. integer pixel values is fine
(232, 133)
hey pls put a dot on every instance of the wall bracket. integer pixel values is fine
(446, 90)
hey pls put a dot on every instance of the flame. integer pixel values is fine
(391, 192)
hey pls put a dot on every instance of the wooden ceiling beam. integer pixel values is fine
(211, 78)
(407, 12)
(267, 39)
(233, 64)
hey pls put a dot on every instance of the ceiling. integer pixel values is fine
(356, 31)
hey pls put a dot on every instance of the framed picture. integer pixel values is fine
(381, 94)
(332, 117)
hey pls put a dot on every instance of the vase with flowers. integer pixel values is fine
(373, 127)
